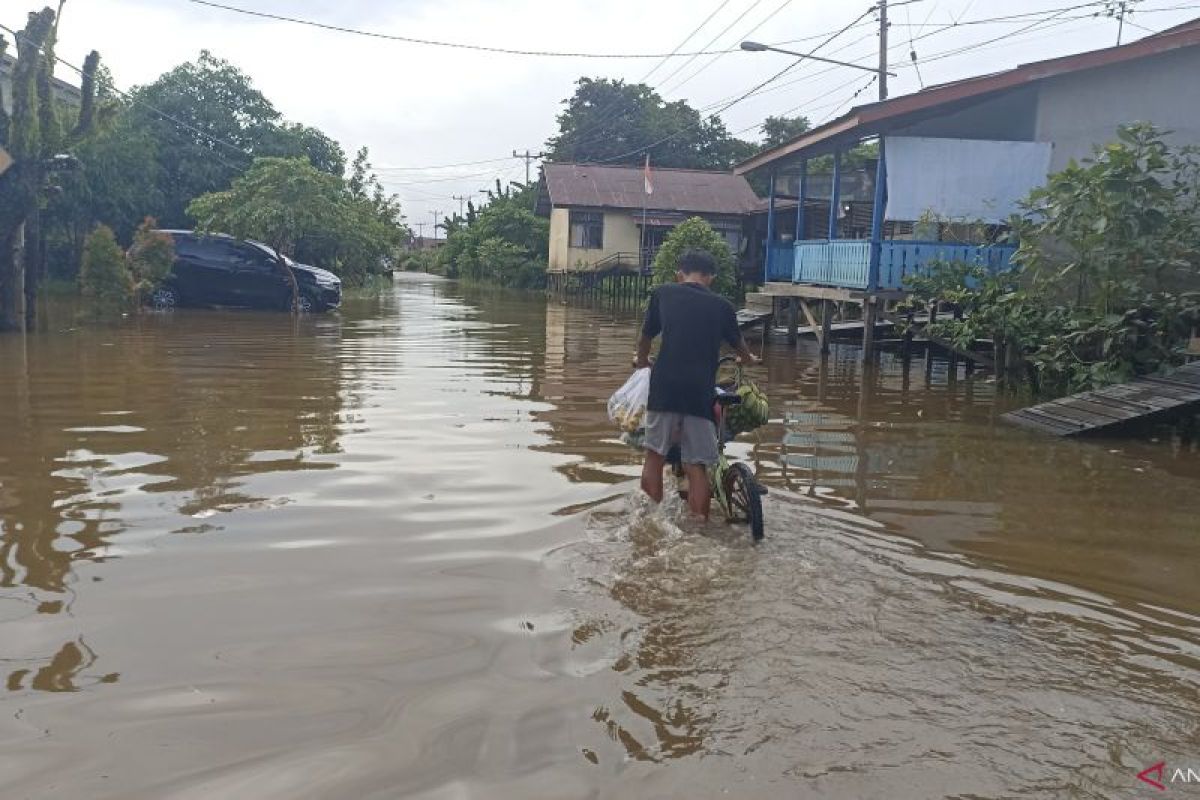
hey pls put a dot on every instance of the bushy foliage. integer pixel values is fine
(150, 257)
(1107, 283)
(503, 243)
(311, 215)
(104, 280)
(611, 121)
(208, 122)
(698, 234)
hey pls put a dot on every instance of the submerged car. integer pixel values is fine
(218, 270)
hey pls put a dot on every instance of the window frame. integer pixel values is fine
(590, 225)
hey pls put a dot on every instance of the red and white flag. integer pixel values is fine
(646, 176)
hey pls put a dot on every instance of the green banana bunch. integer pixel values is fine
(753, 412)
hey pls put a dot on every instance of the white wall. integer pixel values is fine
(621, 235)
(1078, 111)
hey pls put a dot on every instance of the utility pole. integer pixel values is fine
(1120, 21)
(462, 199)
(421, 230)
(883, 50)
(529, 157)
(435, 215)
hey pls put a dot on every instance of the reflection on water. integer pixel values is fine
(394, 552)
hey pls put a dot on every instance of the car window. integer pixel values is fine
(187, 246)
(252, 258)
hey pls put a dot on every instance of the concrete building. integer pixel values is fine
(601, 217)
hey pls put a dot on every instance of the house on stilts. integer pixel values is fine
(953, 162)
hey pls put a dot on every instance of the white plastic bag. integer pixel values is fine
(627, 406)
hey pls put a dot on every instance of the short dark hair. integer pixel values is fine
(695, 260)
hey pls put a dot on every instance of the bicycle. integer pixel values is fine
(733, 485)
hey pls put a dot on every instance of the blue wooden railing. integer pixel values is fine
(900, 259)
(846, 263)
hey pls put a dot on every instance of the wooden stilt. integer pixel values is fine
(826, 324)
(870, 309)
(793, 320)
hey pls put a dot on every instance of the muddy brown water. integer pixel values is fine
(394, 552)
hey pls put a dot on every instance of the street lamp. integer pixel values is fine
(758, 47)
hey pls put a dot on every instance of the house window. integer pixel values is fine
(587, 230)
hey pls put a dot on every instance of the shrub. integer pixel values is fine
(150, 257)
(696, 233)
(104, 279)
(1107, 284)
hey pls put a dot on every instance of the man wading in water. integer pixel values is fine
(693, 322)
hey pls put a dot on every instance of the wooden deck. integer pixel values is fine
(1114, 405)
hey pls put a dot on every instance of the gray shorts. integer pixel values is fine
(696, 436)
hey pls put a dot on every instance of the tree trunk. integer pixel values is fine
(12, 281)
(34, 265)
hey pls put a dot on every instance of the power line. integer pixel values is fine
(436, 42)
(442, 166)
(576, 138)
(137, 101)
(742, 97)
(746, 35)
(686, 39)
(1050, 21)
(711, 42)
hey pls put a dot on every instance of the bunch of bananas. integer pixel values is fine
(753, 412)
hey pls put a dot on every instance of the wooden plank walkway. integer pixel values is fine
(1113, 405)
(749, 317)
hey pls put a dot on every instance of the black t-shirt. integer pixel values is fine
(693, 322)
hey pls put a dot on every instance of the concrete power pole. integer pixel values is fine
(528, 157)
(462, 199)
(435, 215)
(883, 50)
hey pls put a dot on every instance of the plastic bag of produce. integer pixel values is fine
(627, 406)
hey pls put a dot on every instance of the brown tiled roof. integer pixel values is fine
(695, 191)
(875, 118)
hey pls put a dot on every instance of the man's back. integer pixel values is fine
(693, 322)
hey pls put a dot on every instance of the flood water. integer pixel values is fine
(395, 552)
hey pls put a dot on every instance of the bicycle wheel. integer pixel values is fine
(745, 498)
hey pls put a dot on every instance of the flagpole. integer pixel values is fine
(642, 235)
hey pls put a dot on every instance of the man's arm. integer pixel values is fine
(642, 359)
(733, 336)
(743, 352)
(651, 327)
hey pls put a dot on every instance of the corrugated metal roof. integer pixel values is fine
(695, 191)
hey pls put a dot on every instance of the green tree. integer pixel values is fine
(616, 122)
(291, 139)
(697, 234)
(209, 122)
(33, 136)
(1109, 280)
(779, 130)
(308, 214)
(279, 201)
(104, 279)
(503, 242)
(116, 184)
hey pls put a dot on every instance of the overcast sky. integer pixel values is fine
(419, 105)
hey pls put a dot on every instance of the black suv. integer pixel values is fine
(218, 270)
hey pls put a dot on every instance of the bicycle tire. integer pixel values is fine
(745, 499)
